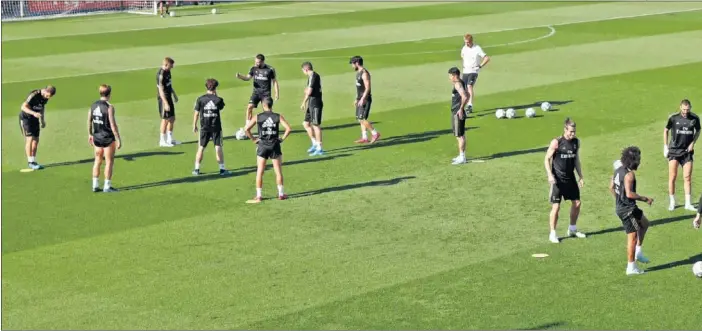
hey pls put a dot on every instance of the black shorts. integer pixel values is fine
(206, 136)
(568, 190)
(470, 79)
(631, 219)
(166, 114)
(257, 97)
(682, 158)
(458, 126)
(363, 111)
(314, 111)
(29, 126)
(269, 151)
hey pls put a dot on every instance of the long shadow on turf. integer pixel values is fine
(511, 153)
(653, 223)
(552, 325)
(387, 182)
(215, 176)
(398, 140)
(126, 157)
(690, 260)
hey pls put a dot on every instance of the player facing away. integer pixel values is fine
(268, 146)
(312, 105)
(31, 119)
(163, 8)
(623, 187)
(264, 79)
(561, 161)
(166, 106)
(459, 98)
(474, 58)
(685, 129)
(363, 101)
(103, 135)
(208, 110)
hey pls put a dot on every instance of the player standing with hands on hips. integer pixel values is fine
(208, 109)
(32, 120)
(562, 159)
(679, 150)
(474, 58)
(103, 135)
(459, 98)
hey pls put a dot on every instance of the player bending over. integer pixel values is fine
(562, 159)
(458, 118)
(685, 127)
(264, 78)
(32, 120)
(474, 58)
(103, 135)
(268, 146)
(208, 110)
(623, 187)
(312, 105)
(363, 100)
(166, 106)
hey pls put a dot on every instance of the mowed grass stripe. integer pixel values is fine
(259, 28)
(69, 65)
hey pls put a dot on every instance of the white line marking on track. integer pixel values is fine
(362, 45)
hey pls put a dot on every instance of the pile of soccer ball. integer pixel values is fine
(530, 113)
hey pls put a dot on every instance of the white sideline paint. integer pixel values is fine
(272, 55)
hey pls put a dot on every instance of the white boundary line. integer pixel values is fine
(365, 45)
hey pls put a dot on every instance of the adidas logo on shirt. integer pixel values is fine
(210, 106)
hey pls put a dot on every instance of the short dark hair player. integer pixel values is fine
(208, 111)
(31, 120)
(313, 105)
(684, 127)
(364, 99)
(265, 79)
(459, 98)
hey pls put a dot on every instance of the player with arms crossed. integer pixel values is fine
(31, 119)
(562, 159)
(623, 188)
(166, 106)
(264, 78)
(458, 117)
(363, 100)
(685, 129)
(474, 58)
(312, 105)
(103, 135)
(268, 146)
(208, 109)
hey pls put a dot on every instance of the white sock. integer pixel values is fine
(462, 155)
(319, 146)
(96, 182)
(553, 233)
(688, 199)
(32, 159)
(314, 142)
(374, 132)
(638, 250)
(280, 190)
(197, 165)
(170, 136)
(108, 183)
(572, 228)
(221, 166)
(672, 199)
(364, 134)
(258, 192)
(631, 265)
(163, 137)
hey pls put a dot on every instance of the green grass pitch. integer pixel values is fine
(387, 236)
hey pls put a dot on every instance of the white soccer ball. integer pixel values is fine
(697, 269)
(500, 113)
(511, 113)
(172, 13)
(530, 112)
(546, 106)
(214, 11)
(240, 135)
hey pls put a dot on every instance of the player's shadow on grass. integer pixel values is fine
(510, 153)
(333, 127)
(233, 173)
(552, 325)
(387, 182)
(652, 223)
(690, 260)
(126, 157)
(398, 140)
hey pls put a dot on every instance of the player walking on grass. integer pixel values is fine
(363, 100)
(312, 105)
(208, 109)
(264, 78)
(458, 117)
(163, 8)
(562, 159)
(31, 119)
(474, 58)
(166, 106)
(268, 146)
(103, 135)
(623, 187)
(685, 129)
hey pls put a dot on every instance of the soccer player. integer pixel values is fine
(208, 108)
(264, 77)
(32, 120)
(685, 129)
(268, 142)
(312, 105)
(698, 219)
(166, 106)
(163, 7)
(474, 58)
(562, 158)
(623, 187)
(458, 118)
(103, 135)
(363, 100)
